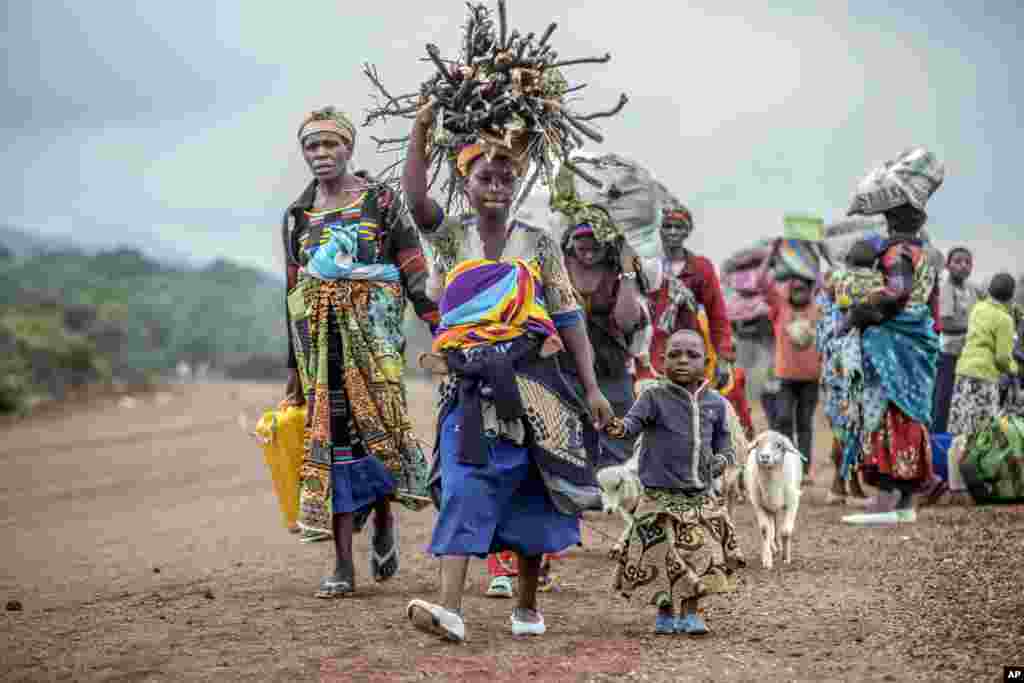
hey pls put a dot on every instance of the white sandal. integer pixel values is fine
(527, 628)
(436, 620)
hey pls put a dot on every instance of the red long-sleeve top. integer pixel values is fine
(700, 276)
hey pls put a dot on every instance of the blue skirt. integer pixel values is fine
(358, 484)
(503, 505)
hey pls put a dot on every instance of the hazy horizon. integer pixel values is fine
(143, 125)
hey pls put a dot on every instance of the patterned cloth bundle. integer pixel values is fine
(490, 301)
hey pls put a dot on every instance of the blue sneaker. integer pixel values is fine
(665, 623)
(691, 625)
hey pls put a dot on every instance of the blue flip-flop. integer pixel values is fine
(691, 625)
(665, 624)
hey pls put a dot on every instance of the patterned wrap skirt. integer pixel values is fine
(975, 403)
(683, 546)
(359, 444)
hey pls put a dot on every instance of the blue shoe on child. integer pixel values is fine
(691, 625)
(665, 623)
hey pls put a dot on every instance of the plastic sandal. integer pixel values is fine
(691, 625)
(664, 623)
(436, 620)
(501, 587)
(527, 628)
(332, 587)
(384, 563)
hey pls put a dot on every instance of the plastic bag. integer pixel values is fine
(911, 178)
(629, 193)
(994, 467)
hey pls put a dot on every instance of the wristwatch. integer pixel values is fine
(631, 275)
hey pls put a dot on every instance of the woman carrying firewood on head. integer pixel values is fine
(513, 458)
(499, 479)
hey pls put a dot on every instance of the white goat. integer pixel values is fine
(773, 473)
(621, 491)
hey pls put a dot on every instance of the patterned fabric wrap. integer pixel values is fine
(369, 324)
(900, 448)
(516, 151)
(842, 379)
(798, 259)
(901, 357)
(975, 402)
(698, 540)
(852, 285)
(900, 361)
(879, 383)
(491, 301)
(680, 297)
(348, 246)
(555, 426)
(911, 178)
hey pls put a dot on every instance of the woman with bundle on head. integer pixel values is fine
(605, 281)
(895, 353)
(352, 264)
(513, 467)
(794, 313)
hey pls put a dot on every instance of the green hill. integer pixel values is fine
(70, 318)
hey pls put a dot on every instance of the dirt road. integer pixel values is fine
(143, 543)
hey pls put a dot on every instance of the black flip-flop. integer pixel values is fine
(384, 556)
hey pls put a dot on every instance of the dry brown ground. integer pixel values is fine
(144, 544)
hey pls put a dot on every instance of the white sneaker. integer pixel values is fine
(527, 628)
(873, 518)
(436, 620)
(907, 515)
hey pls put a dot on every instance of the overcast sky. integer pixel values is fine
(172, 125)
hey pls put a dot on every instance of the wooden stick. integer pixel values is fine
(585, 129)
(623, 100)
(584, 60)
(581, 173)
(502, 24)
(435, 57)
(547, 34)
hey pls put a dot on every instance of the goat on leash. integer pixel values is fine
(621, 491)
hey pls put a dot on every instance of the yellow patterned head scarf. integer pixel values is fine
(513, 150)
(328, 120)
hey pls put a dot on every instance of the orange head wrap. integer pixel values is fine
(515, 152)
